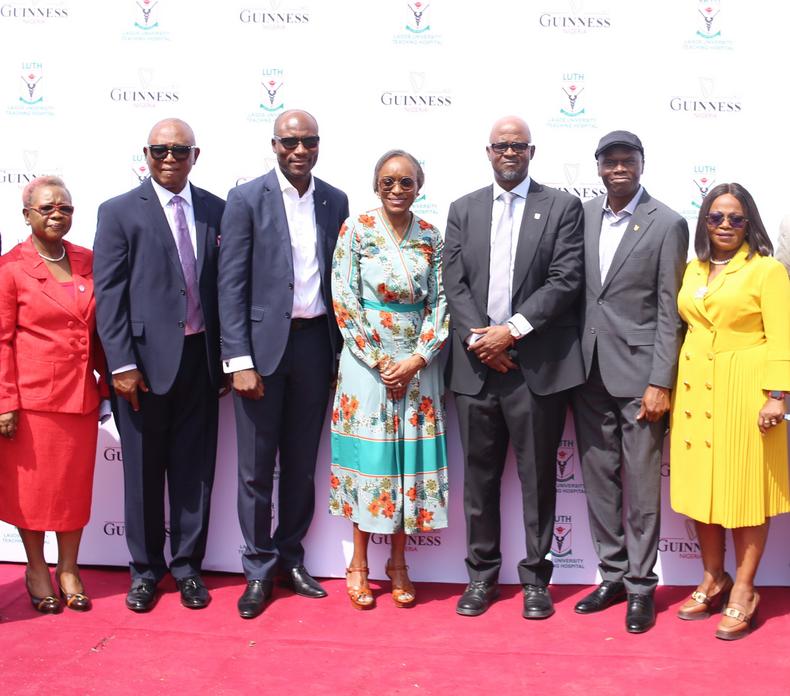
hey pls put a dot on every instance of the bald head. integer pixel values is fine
(173, 124)
(295, 118)
(510, 151)
(171, 162)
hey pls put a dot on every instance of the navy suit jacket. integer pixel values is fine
(139, 284)
(256, 275)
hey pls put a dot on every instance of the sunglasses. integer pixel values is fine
(310, 142)
(179, 152)
(502, 148)
(736, 221)
(387, 183)
(49, 209)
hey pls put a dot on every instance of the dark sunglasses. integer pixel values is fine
(49, 209)
(502, 148)
(289, 143)
(736, 221)
(387, 183)
(179, 152)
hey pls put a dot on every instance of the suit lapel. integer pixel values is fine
(635, 230)
(36, 268)
(201, 228)
(480, 238)
(159, 226)
(533, 224)
(593, 219)
(273, 201)
(83, 282)
(321, 205)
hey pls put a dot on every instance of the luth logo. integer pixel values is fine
(148, 94)
(139, 167)
(146, 9)
(413, 541)
(35, 12)
(418, 11)
(269, 95)
(572, 98)
(566, 464)
(683, 547)
(419, 97)
(708, 10)
(708, 103)
(32, 74)
(576, 20)
(561, 538)
(704, 180)
(274, 16)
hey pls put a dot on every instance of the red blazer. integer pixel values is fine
(49, 348)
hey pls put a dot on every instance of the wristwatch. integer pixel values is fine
(779, 395)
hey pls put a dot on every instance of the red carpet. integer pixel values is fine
(325, 646)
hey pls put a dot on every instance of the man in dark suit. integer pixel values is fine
(512, 273)
(635, 254)
(279, 343)
(155, 272)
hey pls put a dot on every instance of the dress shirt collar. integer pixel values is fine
(286, 186)
(628, 210)
(521, 190)
(166, 196)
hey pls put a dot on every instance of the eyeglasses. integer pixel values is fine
(289, 143)
(48, 209)
(179, 152)
(736, 221)
(502, 148)
(387, 183)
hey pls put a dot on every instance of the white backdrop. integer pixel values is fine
(82, 81)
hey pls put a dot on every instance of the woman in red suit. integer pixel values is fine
(49, 394)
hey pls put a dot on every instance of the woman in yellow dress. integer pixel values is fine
(728, 434)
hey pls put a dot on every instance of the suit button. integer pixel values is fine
(708, 414)
(707, 443)
(182, 291)
(83, 340)
(688, 356)
(711, 356)
(592, 331)
(83, 357)
(688, 443)
(181, 325)
(687, 385)
(70, 324)
(688, 413)
(290, 286)
(708, 385)
(287, 315)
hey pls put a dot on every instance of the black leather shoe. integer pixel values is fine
(194, 594)
(301, 582)
(537, 602)
(141, 596)
(477, 597)
(602, 597)
(641, 613)
(253, 601)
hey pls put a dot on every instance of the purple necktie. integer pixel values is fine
(187, 255)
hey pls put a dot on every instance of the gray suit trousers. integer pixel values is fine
(621, 465)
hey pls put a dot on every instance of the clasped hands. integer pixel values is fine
(492, 345)
(9, 423)
(396, 374)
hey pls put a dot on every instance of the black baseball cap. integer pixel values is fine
(622, 138)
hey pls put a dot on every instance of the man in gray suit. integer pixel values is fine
(635, 254)
(512, 262)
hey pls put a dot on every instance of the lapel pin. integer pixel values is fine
(636, 228)
(323, 203)
(82, 288)
(537, 216)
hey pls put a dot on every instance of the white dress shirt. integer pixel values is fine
(308, 300)
(165, 197)
(613, 227)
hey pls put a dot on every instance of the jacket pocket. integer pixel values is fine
(256, 313)
(35, 379)
(645, 337)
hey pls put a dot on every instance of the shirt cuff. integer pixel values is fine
(243, 362)
(519, 324)
(105, 411)
(124, 368)
(472, 339)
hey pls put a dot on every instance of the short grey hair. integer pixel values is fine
(387, 156)
(40, 181)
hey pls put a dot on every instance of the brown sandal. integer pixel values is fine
(361, 597)
(402, 596)
(735, 622)
(701, 606)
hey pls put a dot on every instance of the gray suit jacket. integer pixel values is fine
(256, 275)
(547, 279)
(632, 314)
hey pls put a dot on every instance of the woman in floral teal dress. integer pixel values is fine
(389, 463)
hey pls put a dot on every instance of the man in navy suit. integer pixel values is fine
(279, 343)
(155, 271)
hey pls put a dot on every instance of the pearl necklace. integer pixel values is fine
(49, 258)
(716, 262)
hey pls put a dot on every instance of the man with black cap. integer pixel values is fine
(635, 254)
